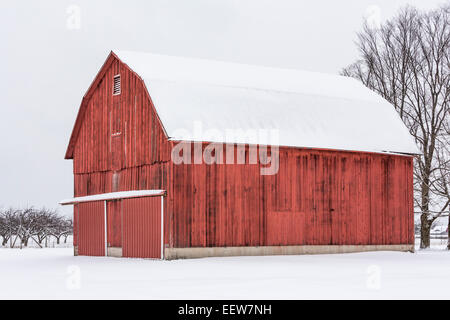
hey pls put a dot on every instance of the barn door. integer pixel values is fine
(114, 222)
(142, 227)
(91, 228)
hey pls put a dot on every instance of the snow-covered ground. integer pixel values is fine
(56, 273)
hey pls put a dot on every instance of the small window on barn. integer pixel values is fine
(116, 85)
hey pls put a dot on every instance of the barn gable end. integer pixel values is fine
(116, 135)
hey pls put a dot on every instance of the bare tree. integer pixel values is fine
(45, 223)
(28, 224)
(7, 224)
(407, 61)
(58, 229)
(3, 228)
(68, 226)
(34, 224)
(441, 180)
(61, 227)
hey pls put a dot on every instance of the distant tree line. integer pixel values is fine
(20, 226)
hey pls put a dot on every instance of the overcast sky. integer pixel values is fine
(51, 50)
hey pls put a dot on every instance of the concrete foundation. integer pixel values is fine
(187, 253)
(112, 251)
(115, 252)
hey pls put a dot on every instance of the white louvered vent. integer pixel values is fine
(116, 86)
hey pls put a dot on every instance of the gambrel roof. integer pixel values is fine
(307, 109)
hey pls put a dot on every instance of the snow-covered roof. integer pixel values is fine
(113, 196)
(203, 100)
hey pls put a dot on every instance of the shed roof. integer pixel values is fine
(113, 196)
(204, 100)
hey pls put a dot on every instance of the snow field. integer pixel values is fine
(54, 273)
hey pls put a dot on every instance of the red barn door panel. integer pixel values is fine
(91, 228)
(114, 221)
(75, 225)
(142, 227)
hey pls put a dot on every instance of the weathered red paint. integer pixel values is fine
(142, 227)
(133, 224)
(318, 196)
(91, 228)
(75, 225)
(114, 222)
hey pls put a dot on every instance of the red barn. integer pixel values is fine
(178, 158)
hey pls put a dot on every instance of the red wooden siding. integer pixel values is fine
(75, 225)
(317, 198)
(119, 131)
(142, 227)
(146, 177)
(114, 221)
(91, 228)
